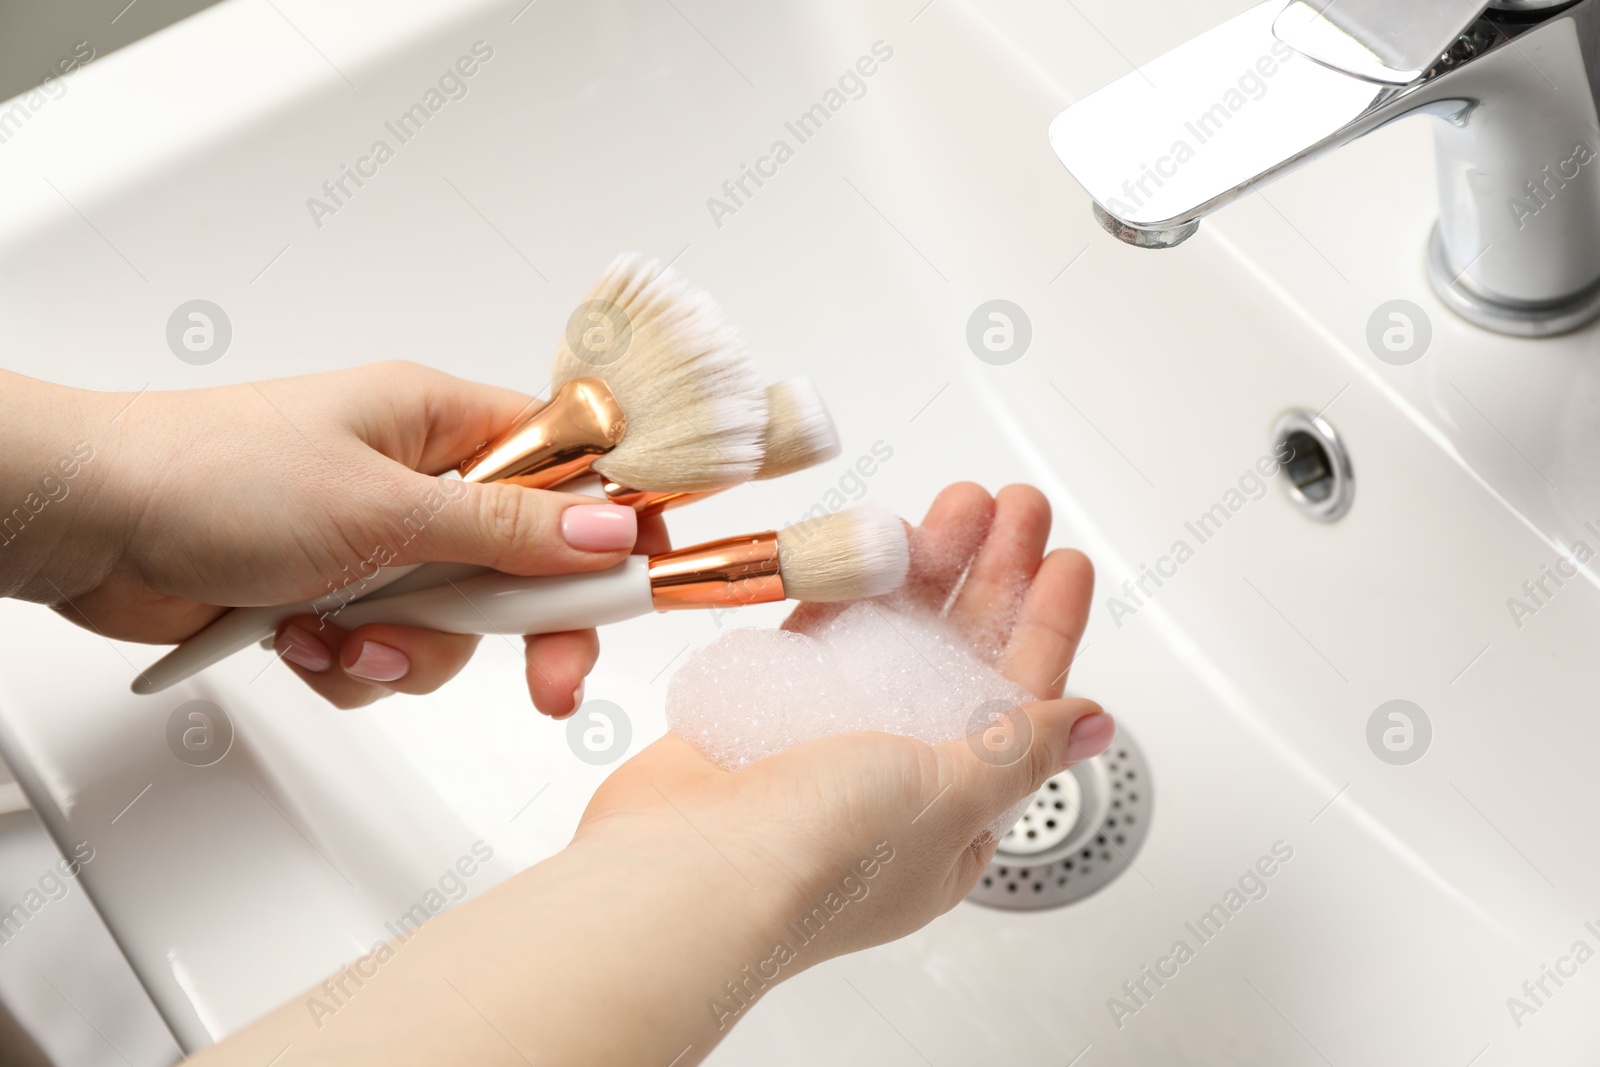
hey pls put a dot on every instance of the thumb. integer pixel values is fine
(515, 530)
(1019, 747)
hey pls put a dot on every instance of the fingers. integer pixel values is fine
(987, 604)
(429, 420)
(1050, 624)
(652, 539)
(353, 669)
(941, 549)
(125, 608)
(556, 667)
(991, 773)
(519, 531)
(945, 544)
(810, 616)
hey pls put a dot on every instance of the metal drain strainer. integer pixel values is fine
(1082, 830)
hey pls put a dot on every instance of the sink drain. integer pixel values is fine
(1316, 468)
(1049, 819)
(1081, 831)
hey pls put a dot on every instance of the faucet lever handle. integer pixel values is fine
(1377, 40)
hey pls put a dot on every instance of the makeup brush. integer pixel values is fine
(651, 384)
(799, 434)
(653, 388)
(800, 431)
(851, 555)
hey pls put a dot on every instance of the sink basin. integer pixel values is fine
(1408, 901)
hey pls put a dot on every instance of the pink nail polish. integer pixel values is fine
(599, 527)
(379, 663)
(303, 650)
(1090, 736)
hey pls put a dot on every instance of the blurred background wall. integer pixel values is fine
(35, 34)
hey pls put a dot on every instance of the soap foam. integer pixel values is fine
(755, 692)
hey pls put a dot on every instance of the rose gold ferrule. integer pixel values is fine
(559, 442)
(719, 574)
(646, 502)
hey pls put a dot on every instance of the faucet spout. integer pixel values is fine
(1207, 123)
(1144, 237)
(1517, 246)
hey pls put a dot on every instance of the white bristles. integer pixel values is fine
(695, 406)
(854, 554)
(800, 432)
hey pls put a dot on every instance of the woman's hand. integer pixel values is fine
(797, 822)
(689, 891)
(282, 491)
(855, 840)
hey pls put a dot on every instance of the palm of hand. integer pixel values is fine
(800, 820)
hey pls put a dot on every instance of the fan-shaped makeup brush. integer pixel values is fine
(652, 386)
(799, 434)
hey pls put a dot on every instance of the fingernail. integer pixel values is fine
(379, 663)
(577, 702)
(303, 650)
(599, 527)
(1090, 736)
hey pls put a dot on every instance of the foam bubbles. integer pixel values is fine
(754, 692)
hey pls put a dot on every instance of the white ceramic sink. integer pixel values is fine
(1418, 897)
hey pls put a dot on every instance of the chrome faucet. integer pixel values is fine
(1514, 84)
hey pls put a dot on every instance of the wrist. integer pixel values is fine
(651, 921)
(726, 912)
(54, 518)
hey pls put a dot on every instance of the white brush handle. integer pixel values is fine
(490, 603)
(243, 627)
(505, 604)
(239, 629)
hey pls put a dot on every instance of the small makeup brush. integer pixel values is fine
(651, 384)
(851, 555)
(800, 431)
(799, 434)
